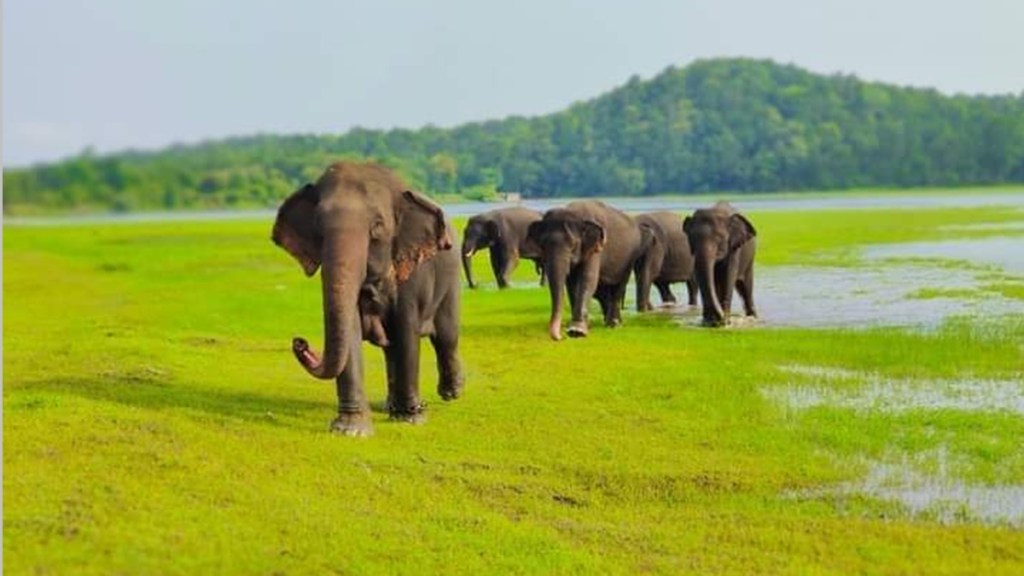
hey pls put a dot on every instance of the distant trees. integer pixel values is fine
(723, 124)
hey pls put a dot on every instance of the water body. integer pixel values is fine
(751, 203)
(925, 484)
(1006, 252)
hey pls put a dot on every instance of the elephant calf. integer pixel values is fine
(389, 276)
(504, 232)
(666, 259)
(723, 242)
(588, 249)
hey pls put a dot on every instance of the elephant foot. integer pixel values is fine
(413, 415)
(613, 322)
(451, 390)
(356, 425)
(577, 330)
(715, 323)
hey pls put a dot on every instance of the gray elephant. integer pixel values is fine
(724, 243)
(588, 249)
(389, 276)
(504, 232)
(666, 260)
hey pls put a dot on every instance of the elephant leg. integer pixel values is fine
(667, 297)
(616, 298)
(643, 287)
(353, 409)
(586, 284)
(446, 348)
(404, 370)
(725, 280)
(539, 269)
(604, 298)
(511, 261)
(691, 291)
(498, 265)
(745, 286)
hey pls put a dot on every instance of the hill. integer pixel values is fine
(715, 125)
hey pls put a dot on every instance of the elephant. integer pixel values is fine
(724, 243)
(504, 232)
(389, 276)
(588, 248)
(666, 260)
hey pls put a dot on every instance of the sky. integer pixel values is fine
(127, 74)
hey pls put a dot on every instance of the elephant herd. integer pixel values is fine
(390, 277)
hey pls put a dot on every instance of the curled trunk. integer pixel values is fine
(342, 275)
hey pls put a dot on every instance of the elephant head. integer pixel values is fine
(479, 234)
(367, 233)
(714, 234)
(564, 240)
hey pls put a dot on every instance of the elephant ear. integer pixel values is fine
(532, 241)
(420, 233)
(493, 230)
(740, 231)
(295, 229)
(592, 237)
(687, 222)
(648, 237)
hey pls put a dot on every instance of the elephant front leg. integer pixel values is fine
(403, 360)
(446, 348)
(353, 409)
(725, 283)
(499, 263)
(586, 276)
(616, 297)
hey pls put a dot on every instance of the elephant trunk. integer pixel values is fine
(705, 269)
(342, 276)
(467, 265)
(557, 272)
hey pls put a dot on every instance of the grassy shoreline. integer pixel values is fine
(154, 421)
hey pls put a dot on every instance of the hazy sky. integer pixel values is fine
(117, 74)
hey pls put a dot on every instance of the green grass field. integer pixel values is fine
(155, 422)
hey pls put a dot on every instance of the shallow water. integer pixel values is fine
(924, 483)
(1006, 252)
(828, 297)
(822, 387)
(935, 495)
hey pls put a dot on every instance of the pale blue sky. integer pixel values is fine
(116, 74)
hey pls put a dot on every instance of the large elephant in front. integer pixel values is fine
(588, 249)
(389, 276)
(666, 260)
(504, 232)
(723, 242)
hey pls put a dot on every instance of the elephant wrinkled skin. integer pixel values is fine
(389, 276)
(723, 242)
(504, 232)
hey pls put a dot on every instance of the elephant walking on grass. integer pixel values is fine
(504, 232)
(723, 242)
(389, 276)
(666, 260)
(588, 249)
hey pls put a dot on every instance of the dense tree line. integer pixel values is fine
(715, 125)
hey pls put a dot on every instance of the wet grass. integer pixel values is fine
(155, 422)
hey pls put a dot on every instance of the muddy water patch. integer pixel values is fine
(870, 392)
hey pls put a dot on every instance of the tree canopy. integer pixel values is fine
(715, 125)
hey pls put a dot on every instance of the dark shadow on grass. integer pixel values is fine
(154, 392)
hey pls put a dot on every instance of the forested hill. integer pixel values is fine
(715, 125)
